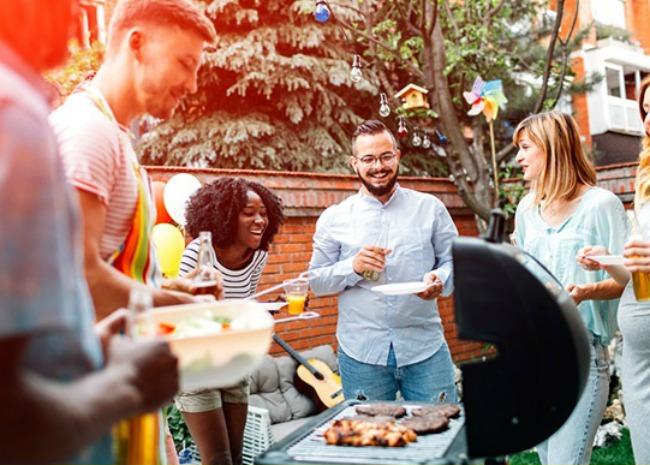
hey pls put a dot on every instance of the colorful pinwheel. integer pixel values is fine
(486, 98)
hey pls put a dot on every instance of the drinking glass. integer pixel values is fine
(382, 241)
(640, 223)
(296, 292)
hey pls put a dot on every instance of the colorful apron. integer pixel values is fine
(135, 258)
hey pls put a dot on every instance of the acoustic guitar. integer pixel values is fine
(317, 375)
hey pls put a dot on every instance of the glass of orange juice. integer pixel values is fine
(296, 292)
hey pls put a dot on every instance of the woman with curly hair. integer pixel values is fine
(243, 217)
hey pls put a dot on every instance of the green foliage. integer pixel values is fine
(604, 31)
(511, 188)
(177, 427)
(618, 453)
(83, 63)
(488, 38)
(274, 93)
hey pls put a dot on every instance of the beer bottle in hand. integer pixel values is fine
(204, 281)
(137, 441)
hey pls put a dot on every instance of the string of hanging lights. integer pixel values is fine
(420, 139)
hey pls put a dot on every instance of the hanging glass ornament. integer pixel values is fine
(402, 131)
(384, 109)
(355, 73)
(442, 139)
(416, 141)
(426, 142)
(322, 12)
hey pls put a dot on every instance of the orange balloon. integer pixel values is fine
(161, 212)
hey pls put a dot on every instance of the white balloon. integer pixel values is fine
(178, 191)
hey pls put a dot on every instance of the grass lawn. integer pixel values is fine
(618, 453)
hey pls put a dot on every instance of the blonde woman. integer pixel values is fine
(564, 213)
(633, 316)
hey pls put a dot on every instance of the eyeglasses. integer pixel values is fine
(385, 159)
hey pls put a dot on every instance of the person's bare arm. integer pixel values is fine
(108, 287)
(45, 421)
(618, 272)
(602, 290)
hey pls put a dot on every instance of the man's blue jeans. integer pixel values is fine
(423, 381)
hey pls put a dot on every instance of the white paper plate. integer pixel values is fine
(401, 288)
(607, 259)
(273, 306)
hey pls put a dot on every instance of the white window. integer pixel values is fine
(622, 85)
(609, 12)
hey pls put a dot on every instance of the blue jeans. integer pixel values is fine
(572, 443)
(423, 381)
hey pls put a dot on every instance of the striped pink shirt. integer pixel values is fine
(98, 159)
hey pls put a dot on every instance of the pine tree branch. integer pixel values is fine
(549, 57)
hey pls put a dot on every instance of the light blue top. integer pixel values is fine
(599, 219)
(43, 292)
(419, 230)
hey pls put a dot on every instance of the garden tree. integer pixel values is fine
(443, 45)
(82, 64)
(274, 93)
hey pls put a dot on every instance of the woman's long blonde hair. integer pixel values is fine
(642, 189)
(567, 165)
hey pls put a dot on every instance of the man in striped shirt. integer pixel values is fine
(152, 58)
(55, 375)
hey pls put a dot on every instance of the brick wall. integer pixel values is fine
(637, 13)
(619, 179)
(305, 196)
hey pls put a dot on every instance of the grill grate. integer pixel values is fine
(428, 447)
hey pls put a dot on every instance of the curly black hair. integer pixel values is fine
(215, 207)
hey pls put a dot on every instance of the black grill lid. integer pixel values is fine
(504, 297)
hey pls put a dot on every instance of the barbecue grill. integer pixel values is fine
(512, 400)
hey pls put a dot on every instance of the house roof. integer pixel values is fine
(411, 87)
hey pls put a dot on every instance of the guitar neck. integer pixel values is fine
(297, 357)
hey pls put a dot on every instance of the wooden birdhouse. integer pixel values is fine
(413, 97)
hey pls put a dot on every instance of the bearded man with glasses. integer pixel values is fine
(386, 234)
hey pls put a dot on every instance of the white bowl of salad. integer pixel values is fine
(217, 343)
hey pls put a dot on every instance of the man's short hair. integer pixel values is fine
(371, 127)
(182, 13)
